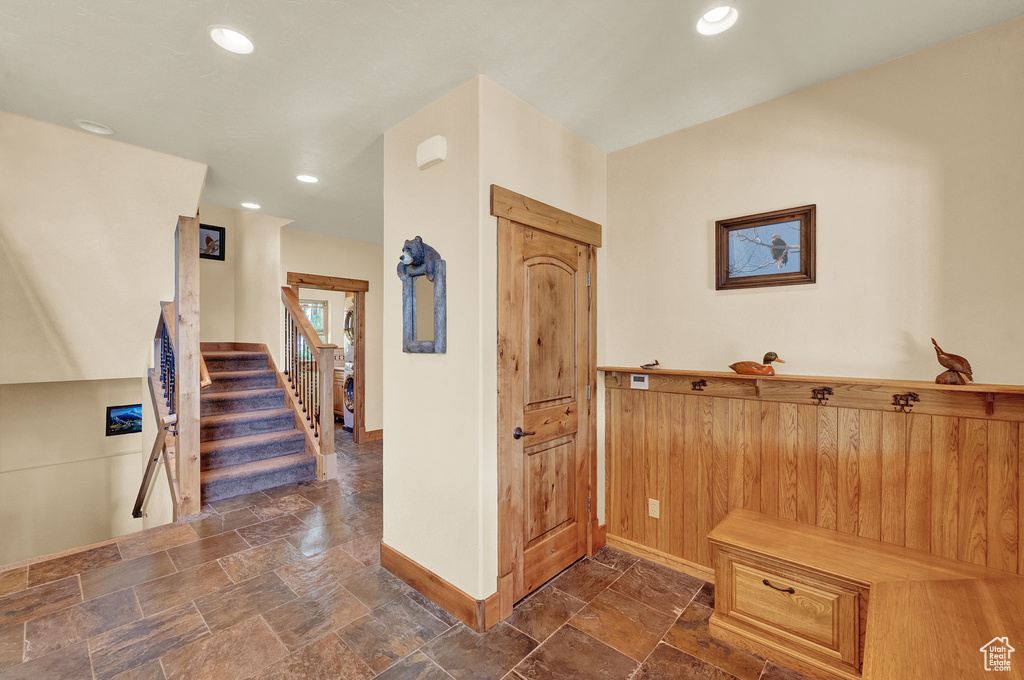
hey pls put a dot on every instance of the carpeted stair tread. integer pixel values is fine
(237, 480)
(221, 453)
(249, 441)
(258, 467)
(233, 354)
(247, 415)
(240, 394)
(230, 425)
(259, 372)
(236, 381)
(235, 361)
(236, 401)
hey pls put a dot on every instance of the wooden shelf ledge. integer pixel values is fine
(990, 401)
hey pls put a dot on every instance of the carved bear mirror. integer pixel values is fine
(424, 303)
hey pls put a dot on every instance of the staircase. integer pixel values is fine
(249, 440)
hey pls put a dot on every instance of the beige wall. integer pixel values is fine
(86, 246)
(217, 288)
(63, 482)
(441, 453)
(432, 415)
(86, 256)
(917, 169)
(309, 253)
(253, 264)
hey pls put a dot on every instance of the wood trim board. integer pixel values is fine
(477, 614)
(665, 559)
(187, 359)
(335, 283)
(359, 370)
(533, 213)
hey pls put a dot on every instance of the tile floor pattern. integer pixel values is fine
(286, 584)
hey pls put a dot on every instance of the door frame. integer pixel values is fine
(358, 288)
(510, 207)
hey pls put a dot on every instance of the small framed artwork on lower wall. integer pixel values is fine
(768, 249)
(124, 419)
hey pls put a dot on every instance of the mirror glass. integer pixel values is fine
(424, 309)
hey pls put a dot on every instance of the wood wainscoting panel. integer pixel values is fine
(943, 483)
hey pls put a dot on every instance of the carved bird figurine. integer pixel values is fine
(651, 367)
(754, 368)
(954, 363)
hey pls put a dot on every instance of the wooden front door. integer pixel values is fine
(544, 412)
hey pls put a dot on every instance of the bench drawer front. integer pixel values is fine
(815, 613)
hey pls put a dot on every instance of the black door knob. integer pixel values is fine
(519, 434)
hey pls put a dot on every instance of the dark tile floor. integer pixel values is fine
(287, 584)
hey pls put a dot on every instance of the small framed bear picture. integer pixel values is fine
(424, 299)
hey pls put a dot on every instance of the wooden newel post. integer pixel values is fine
(187, 359)
(326, 462)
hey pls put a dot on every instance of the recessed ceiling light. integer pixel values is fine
(231, 40)
(251, 206)
(93, 126)
(717, 20)
(309, 179)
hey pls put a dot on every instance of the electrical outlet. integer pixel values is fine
(654, 508)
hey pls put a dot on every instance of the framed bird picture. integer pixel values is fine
(769, 249)
(211, 242)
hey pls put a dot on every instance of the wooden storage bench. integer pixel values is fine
(833, 605)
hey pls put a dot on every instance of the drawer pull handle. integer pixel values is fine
(781, 590)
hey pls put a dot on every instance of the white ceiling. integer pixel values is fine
(330, 76)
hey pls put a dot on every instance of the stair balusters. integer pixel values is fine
(167, 368)
(309, 374)
(302, 372)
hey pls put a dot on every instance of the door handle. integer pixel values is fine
(519, 434)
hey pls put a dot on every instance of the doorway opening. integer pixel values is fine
(339, 303)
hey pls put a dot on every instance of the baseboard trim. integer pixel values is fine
(374, 435)
(670, 561)
(477, 614)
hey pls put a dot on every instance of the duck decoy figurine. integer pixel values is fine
(754, 368)
(651, 367)
(958, 371)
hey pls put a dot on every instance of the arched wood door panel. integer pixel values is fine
(544, 340)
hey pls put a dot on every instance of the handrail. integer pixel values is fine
(294, 308)
(308, 367)
(204, 374)
(167, 319)
(167, 311)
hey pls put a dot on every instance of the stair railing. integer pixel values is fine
(308, 367)
(162, 378)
